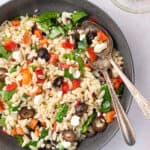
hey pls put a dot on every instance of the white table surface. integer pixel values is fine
(136, 28)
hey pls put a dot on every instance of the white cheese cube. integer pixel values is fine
(75, 120)
(37, 99)
(66, 144)
(100, 47)
(17, 56)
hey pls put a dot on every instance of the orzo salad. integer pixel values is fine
(50, 96)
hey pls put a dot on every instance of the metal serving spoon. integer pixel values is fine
(106, 57)
(102, 64)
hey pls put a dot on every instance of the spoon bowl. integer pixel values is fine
(94, 27)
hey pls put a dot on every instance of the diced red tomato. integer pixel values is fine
(11, 86)
(92, 20)
(67, 44)
(75, 84)
(77, 104)
(2, 106)
(117, 82)
(102, 36)
(53, 58)
(64, 65)
(54, 126)
(92, 55)
(40, 75)
(10, 45)
(65, 87)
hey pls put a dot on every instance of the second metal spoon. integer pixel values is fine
(124, 123)
(102, 64)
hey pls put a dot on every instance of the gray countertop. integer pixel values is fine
(136, 28)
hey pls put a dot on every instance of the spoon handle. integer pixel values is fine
(143, 104)
(125, 125)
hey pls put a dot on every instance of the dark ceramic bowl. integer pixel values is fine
(21, 7)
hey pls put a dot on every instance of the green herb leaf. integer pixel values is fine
(62, 111)
(8, 95)
(14, 69)
(31, 143)
(46, 25)
(60, 146)
(19, 139)
(44, 133)
(25, 96)
(56, 31)
(67, 74)
(77, 16)
(34, 47)
(3, 52)
(88, 122)
(68, 26)
(46, 16)
(119, 91)
(68, 56)
(11, 107)
(32, 67)
(80, 63)
(75, 55)
(82, 45)
(2, 122)
(106, 104)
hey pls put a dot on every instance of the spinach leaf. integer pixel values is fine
(8, 95)
(88, 122)
(47, 16)
(82, 45)
(67, 74)
(46, 25)
(3, 52)
(75, 55)
(44, 133)
(68, 56)
(13, 69)
(68, 26)
(77, 16)
(56, 31)
(19, 139)
(25, 96)
(11, 107)
(60, 146)
(106, 104)
(32, 67)
(80, 63)
(119, 91)
(62, 111)
(31, 143)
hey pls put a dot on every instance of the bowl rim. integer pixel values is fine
(89, 3)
